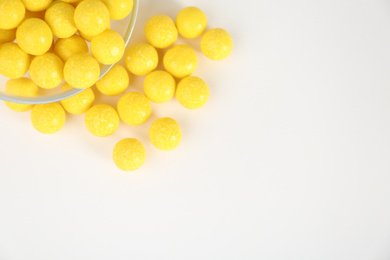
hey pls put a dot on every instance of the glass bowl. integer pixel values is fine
(125, 27)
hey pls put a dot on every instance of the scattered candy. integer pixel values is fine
(141, 59)
(159, 86)
(81, 71)
(108, 47)
(129, 154)
(79, 103)
(160, 31)
(48, 118)
(134, 108)
(102, 120)
(34, 36)
(181, 61)
(192, 92)
(118, 9)
(216, 44)
(115, 82)
(191, 22)
(47, 70)
(165, 134)
(23, 87)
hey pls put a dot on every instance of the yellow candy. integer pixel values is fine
(23, 87)
(101, 120)
(216, 44)
(47, 70)
(108, 47)
(14, 62)
(36, 5)
(159, 86)
(191, 22)
(60, 19)
(165, 134)
(134, 108)
(129, 154)
(192, 92)
(71, 1)
(48, 118)
(160, 31)
(115, 82)
(181, 61)
(92, 17)
(34, 36)
(141, 59)
(11, 13)
(29, 14)
(81, 71)
(118, 9)
(7, 35)
(65, 48)
(79, 103)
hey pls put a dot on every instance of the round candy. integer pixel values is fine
(134, 108)
(192, 92)
(118, 9)
(191, 22)
(34, 36)
(79, 103)
(115, 82)
(71, 1)
(141, 59)
(165, 134)
(92, 17)
(35, 6)
(47, 70)
(11, 13)
(7, 35)
(160, 31)
(65, 48)
(101, 120)
(108, 47)
(29, 14)
(22, 87)
(14, 62)
(81, 71)
(60, 19)
(48, 118)
(129, 154)
(159, 86)
(181, 61)
(216, 44)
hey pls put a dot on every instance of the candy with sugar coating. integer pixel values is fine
(134, 108)
(22, 87)
(160, 31)
(191, 22)
(48, 118)
(165, 134)
(108, 47)
(101, 120)
(11, 13)
(65, 48)
(36, 6)
(129, 154)
(81, 71)
(159, 86)
(115, 82)
(118, 9)
(34, 36)
(192, 92)
(7, 35)
(60, 19)
(216, 44)
(79, 103)
(181, 61)
(141, 59)
(47, 70)
(29, 14)
(92, 17)
(14, 62)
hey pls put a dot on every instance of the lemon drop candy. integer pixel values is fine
(36, 5)
(159, 86)
(181, 61)
(11, 13)
(216, 44)
(108, 47)
(119, 9)
(141, 59)
(34, 36)
(129, 154)
(67, 47)
(134, 108)
(102, 120)
(7, 35)
(79, 103)
(160, 31)
(115, 82)
(22, 87)
(60, 19)
(47, 70)
(81, 71)
(29, 14)
(165, 134)
(91, 17)
(48, 118)
(191, 22)
(14, 62)
(192, 92)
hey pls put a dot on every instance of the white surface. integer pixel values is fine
(288, 160)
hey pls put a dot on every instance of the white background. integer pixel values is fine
(288, 160)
